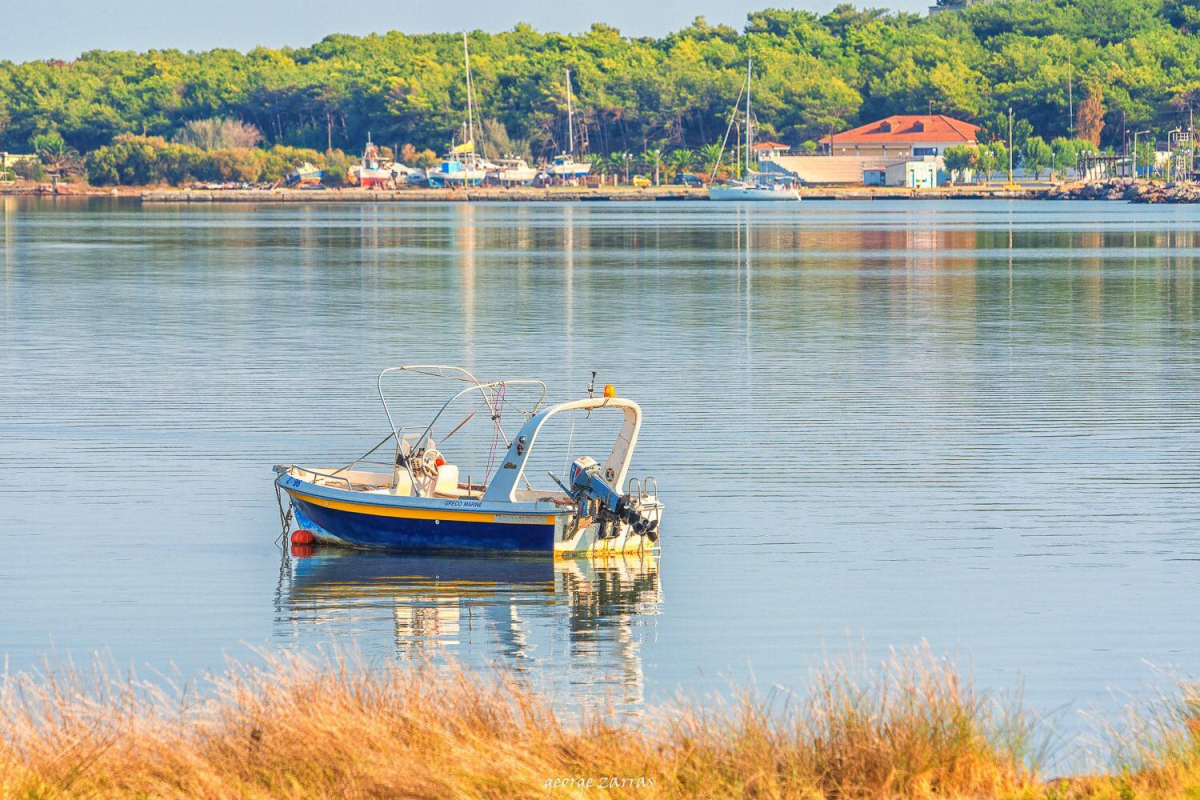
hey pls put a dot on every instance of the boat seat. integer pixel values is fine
(403, 487)
(447, 482)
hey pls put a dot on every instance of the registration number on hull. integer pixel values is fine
(523, 519)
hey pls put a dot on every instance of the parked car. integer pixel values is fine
(640, 181)
(689, 180)
(417, 178)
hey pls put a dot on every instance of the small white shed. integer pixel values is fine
(913, 174)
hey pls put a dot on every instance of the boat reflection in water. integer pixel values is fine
(577, 624)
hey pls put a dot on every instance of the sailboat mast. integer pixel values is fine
(470, 94)
(749, 124)
(570, 118)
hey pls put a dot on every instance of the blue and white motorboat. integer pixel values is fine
(424, 499)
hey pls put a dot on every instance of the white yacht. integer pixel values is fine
(756, 186)
(513, 172)
(565, 167)
(763, 188)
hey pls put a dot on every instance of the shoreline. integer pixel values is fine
(562, 194)
(500, 195)
(1117, 189)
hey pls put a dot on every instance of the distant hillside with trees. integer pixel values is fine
(1125, 65)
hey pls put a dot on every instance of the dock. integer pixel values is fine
(483, 194)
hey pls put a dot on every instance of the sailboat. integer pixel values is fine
(565, 167)
(463, 165)
(758, 186)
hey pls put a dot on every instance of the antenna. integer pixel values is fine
(592, 385)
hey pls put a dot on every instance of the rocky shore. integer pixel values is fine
(1130, 189)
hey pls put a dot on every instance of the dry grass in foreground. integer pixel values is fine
(303, 729)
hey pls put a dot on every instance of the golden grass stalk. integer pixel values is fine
(298, 727)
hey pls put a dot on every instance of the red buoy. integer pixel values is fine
(302, 536)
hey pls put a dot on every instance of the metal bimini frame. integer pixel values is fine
(488, 391)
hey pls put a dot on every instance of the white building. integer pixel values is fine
(920, 174)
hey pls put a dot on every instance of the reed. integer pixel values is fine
(298, 727)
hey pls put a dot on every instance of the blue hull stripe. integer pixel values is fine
(398, 533)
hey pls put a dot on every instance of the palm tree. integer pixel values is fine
(622, 159)
(653, 160)
(681, 160)
(608, 164)
(710, 158)
(59, 157)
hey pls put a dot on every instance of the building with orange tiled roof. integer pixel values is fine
(771, 149)
(902, 136)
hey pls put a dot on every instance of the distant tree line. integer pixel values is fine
(981, 162)
(1123, 65)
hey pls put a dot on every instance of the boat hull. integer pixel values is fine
(377, 519)
(515, 177)
(394, 528)
(750, 194)
(450, 180)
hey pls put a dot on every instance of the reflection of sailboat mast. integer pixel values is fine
(569, 287)
(466, 249)
(746, 242)
(9, 205)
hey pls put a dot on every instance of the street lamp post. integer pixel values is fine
(1010, 147)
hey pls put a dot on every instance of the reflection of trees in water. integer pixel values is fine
(512, 612)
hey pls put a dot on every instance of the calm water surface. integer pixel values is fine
(874, 425)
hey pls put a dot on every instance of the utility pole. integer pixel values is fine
(1124, 138)
(1071, 96)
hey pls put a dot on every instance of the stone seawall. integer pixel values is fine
(1128, 189)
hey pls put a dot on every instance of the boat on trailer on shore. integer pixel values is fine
(419, 501)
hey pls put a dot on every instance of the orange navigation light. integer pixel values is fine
(610, 390)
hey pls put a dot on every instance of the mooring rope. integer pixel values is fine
(284, 518)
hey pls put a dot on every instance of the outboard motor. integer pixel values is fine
(587, 485)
